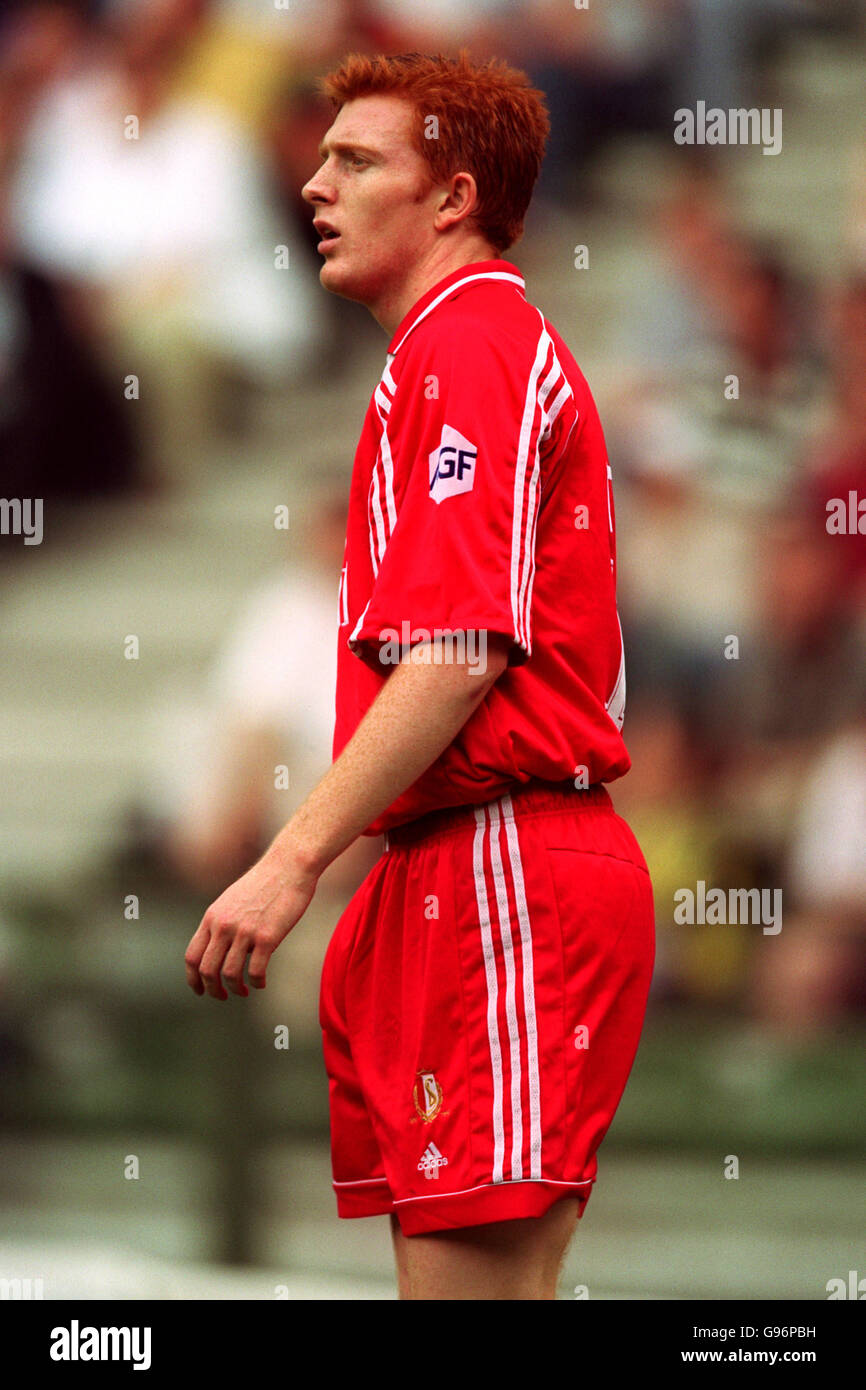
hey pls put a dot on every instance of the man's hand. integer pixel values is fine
(250, 918)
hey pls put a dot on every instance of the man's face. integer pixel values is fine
(375, 191)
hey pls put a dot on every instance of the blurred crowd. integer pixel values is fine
(151, 158)
(738, 430)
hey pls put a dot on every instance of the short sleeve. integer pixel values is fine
(465, 431)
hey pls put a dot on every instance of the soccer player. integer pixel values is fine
(483, 993)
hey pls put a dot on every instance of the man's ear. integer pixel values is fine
(460, 201)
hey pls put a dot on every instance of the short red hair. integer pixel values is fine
(491, 123)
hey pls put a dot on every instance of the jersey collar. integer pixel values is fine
(475, 273)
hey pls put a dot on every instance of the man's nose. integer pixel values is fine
(315, 191)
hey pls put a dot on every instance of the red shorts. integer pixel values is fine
(482, 999)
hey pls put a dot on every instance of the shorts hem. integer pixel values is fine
(478, 1206)
(365, 1197)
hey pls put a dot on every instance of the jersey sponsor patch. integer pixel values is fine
(452, 465)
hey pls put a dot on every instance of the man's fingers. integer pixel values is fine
(233, 930)
(262, 952)
(218, 951)
(212, 962)
(193, 978)
(233, 969)
(192, 960)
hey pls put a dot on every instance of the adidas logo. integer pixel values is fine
(431, 1161)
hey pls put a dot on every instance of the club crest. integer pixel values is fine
(428, 1096)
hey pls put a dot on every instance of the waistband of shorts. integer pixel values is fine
(522, 799)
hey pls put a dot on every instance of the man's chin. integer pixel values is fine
(332, 276)
(338, 280)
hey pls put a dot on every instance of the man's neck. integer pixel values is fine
(391, 310)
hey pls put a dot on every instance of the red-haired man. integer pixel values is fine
(483, 993)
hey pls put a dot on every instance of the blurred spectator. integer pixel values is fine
(815, 971)
(430, 26)
(63, 429)
(155, 203)
(835, 466)
(800, 675)
(667, 799)
(605, 69)
(827, 856)
(250, 51)
(719, 365)
(717, 379)
(721, 40)
(856, 219)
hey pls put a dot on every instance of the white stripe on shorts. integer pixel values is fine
(492, 991)
(519, 1002)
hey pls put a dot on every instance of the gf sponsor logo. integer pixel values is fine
(452, 465)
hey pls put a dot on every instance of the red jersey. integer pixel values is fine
(481, 501)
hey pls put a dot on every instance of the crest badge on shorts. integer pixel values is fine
(428, 1096)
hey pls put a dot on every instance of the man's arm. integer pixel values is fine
(420, 709)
